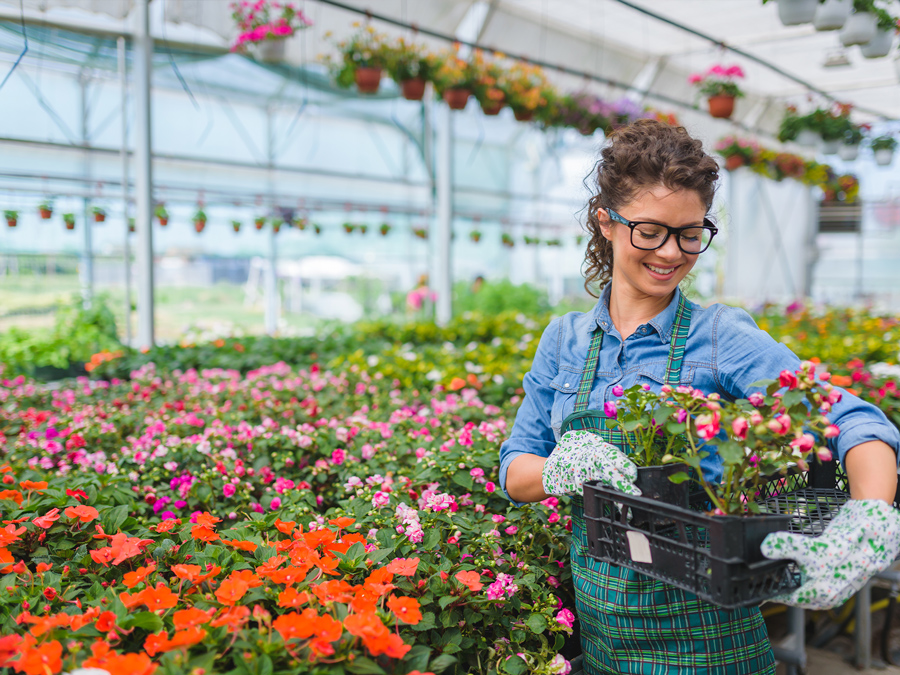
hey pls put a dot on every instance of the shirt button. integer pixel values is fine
(567, 384)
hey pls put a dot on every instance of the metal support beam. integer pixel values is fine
(87, 253)
(126, 254)
(441, 242)
(143, 65)
(645, 79)
(272, 299)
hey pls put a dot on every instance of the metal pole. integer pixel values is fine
(863, 636)
(123, 82)
(87, 257)
(143, 64)
(270, 315)
(444, 209)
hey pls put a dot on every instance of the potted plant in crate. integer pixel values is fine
(455, 78)
(69, 220)
(883, 148)
(99, 214)
(411, 66)
(526, 90)
(364, 56)
(265, 25)
(737, 152)
(45, 209)
(162, 215)
(12, 217)
(719, 86)
(199, 219)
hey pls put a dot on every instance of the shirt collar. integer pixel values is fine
(662, 323)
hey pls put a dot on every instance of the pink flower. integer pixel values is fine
(708, 425)
(380, 499)
(695, 78)
(756, 418)
(831, 431)
(681, 416)
(740, 426)
(565, 618)
(618, 390)
(559, 666)
(490, 487)
(824, 454)
(338, 456)
(228, 490)
(497, 518)
(734, 71)
(610, 409)
(804, 443)
(788, 379)
(780, 425)
(553, 517)
(275, 504)
(756, 399)
(512, 529)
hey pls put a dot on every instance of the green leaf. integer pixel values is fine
(427, 623)
(731, 452)
(442, 662)
(146, 620)
(463, 479)
(679, 477)
(432, 539)
(113, 518)
(515, 666)
(417, 658)
(631, 425)
(446, 600)
(383, 536)
(363, 666)
(380, 554)
(537, 623)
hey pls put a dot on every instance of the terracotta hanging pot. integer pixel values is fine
(99, 217)
(11, 222)
(492, 108)
(46, 214)
(70, 224)
(163, 221)
(368, 80)
(523, 115)
(734, 162)
(456, 98)
(721, 106)
(413, 89)
(199, 225)
(236, 226)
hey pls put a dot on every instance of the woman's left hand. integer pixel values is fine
(862, 540)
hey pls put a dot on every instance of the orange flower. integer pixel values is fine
(33, 485)
(342, 522)
(10, 646)
(188, 618)
(43, 659)
(83, 513)
(841, 380)
(10, 534)
(14, 495)
(206, 519)
(334, 591)
(289, 575)
(377, 581)
(233, 617)
(285, 527)
(132, 579)
(106, 622)
(43, 567)
(121, 548)
(329, 628)
(296, 625)
(365, 601)
(186, 572)
(319, 537)
(248, 577)
(289, 597)
(240, 545)
(131, 601)
(159, 598)
(472, 580)
(186, 638)
(46, 521)
(6, 561)
(231, 590)
(327, 564)
(203, 533)
(268, 567)
(405, 567)
(456, 384)
(405, 609)
(320, 648)
(121, 664)
(156, 643)
(166, 525)
(365, 625)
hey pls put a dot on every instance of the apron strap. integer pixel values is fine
(680, 329)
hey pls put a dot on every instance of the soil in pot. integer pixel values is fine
(368, 80)
(721, 106)
(414, 89)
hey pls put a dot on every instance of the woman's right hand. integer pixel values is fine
(582, 456)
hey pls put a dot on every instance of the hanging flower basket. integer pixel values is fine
(523, 115)
(848, 151)
(317, 229)
(475, 236)
(884, 157)
(734, 163)
(367, 79)
(349, 227)
(721, 106)
(796, 12)
(832, 14)
(420, 232)
(259, 223)
(507, 240)
(199, 225)
(384, 228)
(859, 29)
(162, 215)
(12, 218)
(879, 46)
(46, 211)
(270, 50)
(99, 214)
(276, 226)
(69, 220)
(236, 225)
(413, 89)
(491, 108)
(457, 98)
(131, 225)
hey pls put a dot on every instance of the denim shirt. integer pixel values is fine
(726, 352)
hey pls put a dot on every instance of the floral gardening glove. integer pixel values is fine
(581, 456)
(863, 539)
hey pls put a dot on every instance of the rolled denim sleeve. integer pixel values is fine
(531, 432)
(745, 354)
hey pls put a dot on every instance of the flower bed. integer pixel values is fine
(279, 521)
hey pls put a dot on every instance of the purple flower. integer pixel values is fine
(618, 390)
(610, 409)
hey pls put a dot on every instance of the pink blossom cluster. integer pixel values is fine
(411, 526)
(502, 588)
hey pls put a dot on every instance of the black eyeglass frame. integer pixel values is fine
(631, 224)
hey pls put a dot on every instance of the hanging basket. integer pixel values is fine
(884, 157)
(734, 163)
(70, 224)
(807, 138)
(11, 222)
(492, 108)
(46, 214)
(367, 79)
(523, 115)
(199, 225)
(859, 29)
(414, 89)
(796, 12)
(163, 221)
(879, 46)
(259, 223)
(99, 217)
(721, 106)
(270, 50)
(829, 147)
(832, 14)
(236, 226)
(848, 152)
(456, 98)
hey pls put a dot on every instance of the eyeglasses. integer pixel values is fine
(651, 236)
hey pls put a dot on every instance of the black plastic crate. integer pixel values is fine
(715, 557)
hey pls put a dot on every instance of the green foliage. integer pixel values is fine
(495, 297)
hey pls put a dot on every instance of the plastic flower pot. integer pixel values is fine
(199, 225)
(163, 221)
(475, 236)
(734, 162)
(46, 214)
(236, 226)
(848, 152)
(492, 108)
(259, 223)
(721, 106)
(99, 217)
(796, 12)
(456, 98)
(413, 89)
(859, 29)
(523, 115)
(271, 50)
(70, 224)
(879, 46)
(11, 222)
(884, 157)
(829, 147)
(832, 14)
(807, 138)
(367, 80)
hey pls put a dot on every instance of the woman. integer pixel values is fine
(648, 224)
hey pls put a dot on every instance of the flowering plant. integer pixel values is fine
(719, 81)
(265, 20)
(452, 72)
(734, 146)
(487, 88)
(406, 60)
(525, 87)
(885, 142)
(366, 48)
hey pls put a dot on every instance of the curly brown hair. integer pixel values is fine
(642, 155)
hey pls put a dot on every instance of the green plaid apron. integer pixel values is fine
(631, 623)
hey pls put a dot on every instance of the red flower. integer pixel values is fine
(83, 513)
(46, 521)
(405, 609)
(405, 567)
(78, 494)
